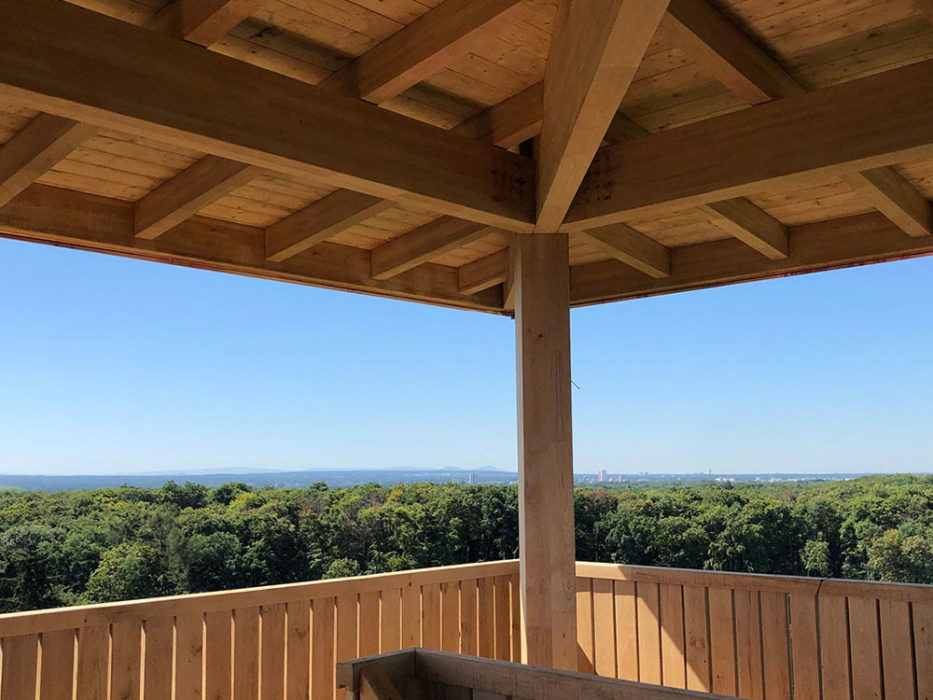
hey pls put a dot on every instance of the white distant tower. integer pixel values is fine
(601, 475)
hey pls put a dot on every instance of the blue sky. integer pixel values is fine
(111, 365)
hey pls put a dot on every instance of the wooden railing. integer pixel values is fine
(756, 636)
(261, 643)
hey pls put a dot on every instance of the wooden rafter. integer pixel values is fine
(894, 197)
(35, 149)
(484, 273)
(202, 22)
(113, 74)
(418, 51)
(753, 226)
(926, 7)
(188, 193)
(423, 244)
(870, 122)
(595, 50)
(633, 248)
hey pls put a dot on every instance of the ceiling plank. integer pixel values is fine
(894, 197)
(871, 122)
(633, 248)
(484, 273)
(508, 123)
(35, 149)
(88, 222)
(731, 57)
(188, 193)
(319, 221)
(597, 46)
(926, 7)
(418, 51)
(752, 225)
(109, 73)
(825, 245)
(423, 244)
(202, 22)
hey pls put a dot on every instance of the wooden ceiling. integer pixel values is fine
(393, 147)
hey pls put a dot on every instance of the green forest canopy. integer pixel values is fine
(114, 544)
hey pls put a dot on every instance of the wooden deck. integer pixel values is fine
(734, 634)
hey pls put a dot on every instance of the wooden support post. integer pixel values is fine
(541, 286)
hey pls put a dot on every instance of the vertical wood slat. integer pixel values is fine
(158, 634)
(20, 661)
(468, 635)
(923, 648)
(369, 623)
(189, 647)
(93, 661)
(774, 639)
(748, 645)
(834, 647)
(585, 655)
(411, 616)
(604, 638)
(722, 641)
(390, 615)
(672, 636)
(431, 616)
(896, 650)
(649, 633)
(297, 650)
(245, 654)
(696, 638)
(323, 637)
(805, 645)
(486, 620)
(56, 680)
(503, 617)
(218, 655)
(347, 621)
(515, 593)
(450, 616)
(627, 652)
(126, 642)
(272, 651)
(864, 648)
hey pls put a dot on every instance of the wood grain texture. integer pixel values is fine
(423, 244)
(633, 248)
(202, 22)
(754, 227)
(56, 680)
(894, 197)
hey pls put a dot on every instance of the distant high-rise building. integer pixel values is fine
(601, 475)
(472, 479)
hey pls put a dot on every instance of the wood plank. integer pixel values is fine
(633, 248)
(202, 22)
(834, 648)
(245, 654)
(515, 595)
(292, 130)
(722, 641)
(431, 616)
(376, 685)
(649, 633)
(298, 650)
(596, 47)
(369, 623)
(418, 51)
(323, 636)
(347, 626)
(545, 454)
(774, 638)
(875, 121)
(586, 655)
(486, 617)
(391, 621)
(188, 193)
(35, 149)
(896, 650)
(19, 666)
(424, 244)
(753, 226)
(272, 651)
(805, 643)
(93, 661)
(893, 196)
(319, 221)
(56, 681)
(733, 59)
(503, 617)
(748, 645)
(509, 122)
(125, 662)
(604, 640)
(158, 650)
(673, 658)
(864, 648)
(469, 637)
(450, 616)
(189, 651)
(922, 614)
(411, 616)
(484, 273)
(696, 639)
(627, 640)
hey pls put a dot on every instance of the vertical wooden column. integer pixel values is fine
(541, 288)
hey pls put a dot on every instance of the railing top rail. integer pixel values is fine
(758, 582)
(49, 620)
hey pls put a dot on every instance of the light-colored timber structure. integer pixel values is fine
(518, 157)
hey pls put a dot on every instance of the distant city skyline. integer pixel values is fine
(111, 365)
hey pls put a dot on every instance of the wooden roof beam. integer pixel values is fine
(484, 273)
(895, 197)
(633, 248)
(926, 7)
(35, 149)
(753, 226)
(418, 51)
(424, 244)
(197, 99)
(596, 47)
(202, 22)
